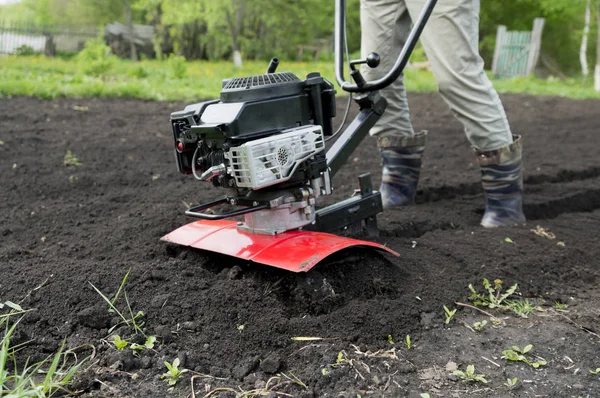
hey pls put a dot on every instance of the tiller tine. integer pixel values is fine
(296, 251)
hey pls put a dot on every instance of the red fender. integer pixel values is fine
(296, 251)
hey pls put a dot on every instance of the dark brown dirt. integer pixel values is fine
(63, 228)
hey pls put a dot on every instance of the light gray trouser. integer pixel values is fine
(450, 40)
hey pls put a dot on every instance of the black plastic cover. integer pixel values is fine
(269, 85)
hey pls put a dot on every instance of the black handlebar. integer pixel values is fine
(396, 71)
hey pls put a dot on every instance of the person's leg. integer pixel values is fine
(385, 26)
(450, 40)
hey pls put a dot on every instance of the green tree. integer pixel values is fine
(73, 12)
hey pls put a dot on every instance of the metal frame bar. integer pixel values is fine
(371, 109)
(196, 211)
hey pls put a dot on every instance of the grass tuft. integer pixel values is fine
(45, 378)
(134, 319)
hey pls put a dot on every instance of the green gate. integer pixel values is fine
(517, 52)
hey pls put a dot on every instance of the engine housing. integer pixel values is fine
(255, 108)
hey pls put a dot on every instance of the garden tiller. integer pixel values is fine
(265, 142)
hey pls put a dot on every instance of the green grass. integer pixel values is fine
(43, 77)
(45, 378)
(571, 87)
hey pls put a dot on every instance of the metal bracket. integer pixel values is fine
(196, 211)
(356, 215)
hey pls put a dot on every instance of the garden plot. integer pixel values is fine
(88, 187)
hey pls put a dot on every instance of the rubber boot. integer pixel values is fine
(502, 181)
(401, 160)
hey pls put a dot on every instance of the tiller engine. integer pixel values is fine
(264, 142)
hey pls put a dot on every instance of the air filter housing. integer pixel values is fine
(268, 85)
(272, 160)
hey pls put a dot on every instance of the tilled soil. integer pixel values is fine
(66, 229)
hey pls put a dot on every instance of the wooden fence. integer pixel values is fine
(517, 52)
(18, 37)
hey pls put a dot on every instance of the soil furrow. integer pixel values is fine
(581, 202)
(432, 194)
(563, 176)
